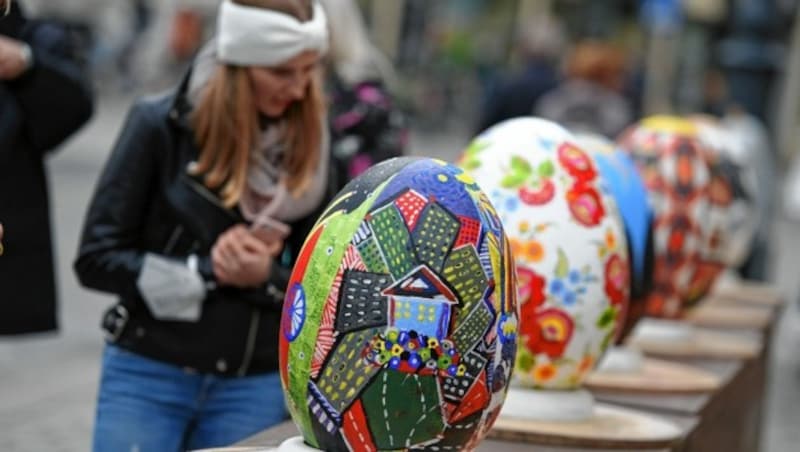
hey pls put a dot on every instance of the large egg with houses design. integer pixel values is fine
(673, 163)
(568, 242)
(400, 320)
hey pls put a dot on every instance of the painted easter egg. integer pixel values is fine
(618, 172)
(733, 215)
(753, 153)
(568, 243)
(400, 322)
(673, 164)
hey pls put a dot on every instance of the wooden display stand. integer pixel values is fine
(727, 419)
(749, 292)
(572, 418)
(269, 440)
(731, 316)
(608, 427)
(730, 418)
(656, 376)
(704, 343)
(751, 296)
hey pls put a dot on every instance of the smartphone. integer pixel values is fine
(268, 230)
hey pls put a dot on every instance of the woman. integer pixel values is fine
(186, 227)
(44, 98)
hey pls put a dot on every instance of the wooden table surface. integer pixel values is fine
(275, 435)
(726, 420)
(679, 404)
(730, 418)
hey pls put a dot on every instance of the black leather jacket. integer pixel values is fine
(145, 202)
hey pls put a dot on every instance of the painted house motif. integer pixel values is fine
(391, 232)
(434, 235)
(469, 233)
(464, 273)
(410, 205)
(421, 302)
(345, 374)
(455, 388)
(361, 304)
(367, 247)
(470, 332)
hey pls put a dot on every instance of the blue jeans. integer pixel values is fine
(145, 405)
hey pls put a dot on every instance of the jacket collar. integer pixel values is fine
(181, 107)
(178, 115)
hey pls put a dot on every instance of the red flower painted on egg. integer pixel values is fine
(585, 204)
(616, 280)
(547, 331)
(530, 287)
(536, 196)
(576, 162)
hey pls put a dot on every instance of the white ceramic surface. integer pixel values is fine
(573, 405)
(622, 360)
(568, 243)
(650, 329)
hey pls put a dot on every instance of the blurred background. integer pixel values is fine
(453, 67)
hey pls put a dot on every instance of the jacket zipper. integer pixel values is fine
(173, 239)
(251, 343)
(255, 318)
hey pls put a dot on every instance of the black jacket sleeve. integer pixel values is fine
(54, 95)
(108, 256)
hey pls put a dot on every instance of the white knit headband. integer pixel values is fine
(250, 36)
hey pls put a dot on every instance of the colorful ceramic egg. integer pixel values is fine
(732, 195)
(619, 173)
(568, 243)
(400, 321)
(753, 153)
(673, 164)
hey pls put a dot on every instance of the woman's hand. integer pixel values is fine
(242, 260)
(13, 61)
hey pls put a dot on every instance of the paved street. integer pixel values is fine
(48, 383)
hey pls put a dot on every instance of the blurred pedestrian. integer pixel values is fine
(366, 125)
(44, 98)
(590, 98)
(168, 46)
(540, 43)
(207, 196)
(140, 20)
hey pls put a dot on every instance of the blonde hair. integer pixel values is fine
(226, 124)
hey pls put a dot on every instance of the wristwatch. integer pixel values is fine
(27, 55)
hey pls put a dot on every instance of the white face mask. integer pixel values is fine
(249, 36)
